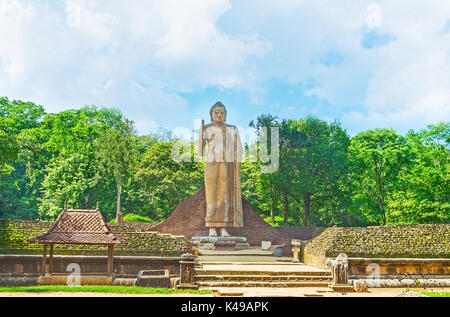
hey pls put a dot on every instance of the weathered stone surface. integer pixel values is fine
(212, 243)
(410, 294)
(360, 286)
(18, 281)
(406, 241)
(124, 266)
(339, 269)
(153, 278)
(403, 283)
(63, 279)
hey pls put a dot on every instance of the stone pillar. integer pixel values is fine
(339, 273)
(296, 244)
(187, 272)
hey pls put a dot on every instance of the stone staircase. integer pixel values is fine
(273, 275)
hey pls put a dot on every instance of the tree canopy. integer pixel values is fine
(325, 177)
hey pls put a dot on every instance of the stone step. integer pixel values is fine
(215, 284)
(263, 278)
(200, 272)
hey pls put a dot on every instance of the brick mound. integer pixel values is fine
(188, 219)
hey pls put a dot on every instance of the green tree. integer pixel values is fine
(378, 156)
(163, 183)
(422, 194)
(117, 152)
(69, 138)
(18, 185)
(268, 188)
(314, 162)
(72, 180)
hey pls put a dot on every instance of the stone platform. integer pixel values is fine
(207, 243)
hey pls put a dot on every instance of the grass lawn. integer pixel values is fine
(99, 289)
(436, 294)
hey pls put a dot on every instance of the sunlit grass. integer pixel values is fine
(99, 289)
(436, 294)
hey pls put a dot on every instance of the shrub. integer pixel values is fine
(134, 217)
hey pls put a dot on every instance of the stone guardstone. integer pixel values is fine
(207, 243)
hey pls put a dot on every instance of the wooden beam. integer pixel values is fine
(51, 258)
(44, 259)
(110, 259)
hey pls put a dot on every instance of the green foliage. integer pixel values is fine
(72, 180)
(117, 153)
(89, 155)
(163, 183)
(134, 217)
(378, 156)
(278, 221)
(72, 171)
(437, 294)
(422, 193)
(311, 182)
(18, 173)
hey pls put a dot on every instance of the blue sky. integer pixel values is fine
(164, 63)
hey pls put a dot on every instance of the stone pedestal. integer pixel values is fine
(207, 243)
(339, 273)
(187, 272)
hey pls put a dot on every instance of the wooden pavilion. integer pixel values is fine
(78, 226)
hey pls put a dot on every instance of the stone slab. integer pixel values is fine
(153, 278)
(207, 239)
(207, 243)
(342, 288)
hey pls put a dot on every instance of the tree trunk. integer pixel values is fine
(286, 207)
(381, 198)
(119, 194)
(307, 202)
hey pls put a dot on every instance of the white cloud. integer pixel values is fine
(141, 57)
(87, 51)
(399, 83)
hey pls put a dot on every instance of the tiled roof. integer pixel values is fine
(79, 226)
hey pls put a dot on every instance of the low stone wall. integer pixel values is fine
(390, 251)
(398, 268)
(14, 235)
(409, 241)
(124, 266)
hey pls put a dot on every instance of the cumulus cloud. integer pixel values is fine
(374, 62)
(135, 57)
(378, 63)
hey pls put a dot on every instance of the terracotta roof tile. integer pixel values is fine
(78, 226)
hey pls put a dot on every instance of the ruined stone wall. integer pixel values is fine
(124, 266)
(14, 235)
(408, 241)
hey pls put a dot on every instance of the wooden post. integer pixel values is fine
(110, 259)
(44, 259)
(51, 258)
